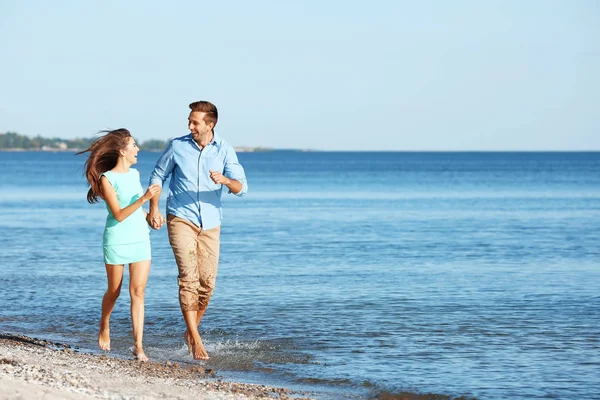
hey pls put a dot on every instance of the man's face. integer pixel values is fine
(197, 126)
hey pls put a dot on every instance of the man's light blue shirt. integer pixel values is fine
(192, 194)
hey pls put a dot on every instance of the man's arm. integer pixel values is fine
(233, 175)
(162, 170)
(233, 185)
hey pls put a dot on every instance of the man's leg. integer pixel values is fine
(208, 242)
(208, 261)
(183, 239)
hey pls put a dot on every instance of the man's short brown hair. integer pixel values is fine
(212, 115)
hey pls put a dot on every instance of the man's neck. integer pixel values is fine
(203, 141)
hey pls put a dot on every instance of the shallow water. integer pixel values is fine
(461, 274)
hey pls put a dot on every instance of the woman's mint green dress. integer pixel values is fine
(127, 241)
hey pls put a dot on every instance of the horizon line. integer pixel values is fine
(262, 149)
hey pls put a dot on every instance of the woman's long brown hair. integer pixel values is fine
(104, 154)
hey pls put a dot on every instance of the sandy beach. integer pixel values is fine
(38, 369)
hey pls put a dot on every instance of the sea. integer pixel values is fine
(345, 275)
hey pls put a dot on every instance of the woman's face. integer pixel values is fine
(130, 152)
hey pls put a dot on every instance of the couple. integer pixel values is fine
(199, 165)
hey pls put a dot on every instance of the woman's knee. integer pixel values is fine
(137, 291)
(113, 292)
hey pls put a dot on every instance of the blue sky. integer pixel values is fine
(331, 75)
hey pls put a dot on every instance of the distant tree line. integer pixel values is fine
(13, 140)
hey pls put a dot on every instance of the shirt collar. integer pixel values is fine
(216, 139)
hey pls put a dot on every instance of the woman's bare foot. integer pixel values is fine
(104, 338)
(188, 340)
(198, 350)
(138, 352)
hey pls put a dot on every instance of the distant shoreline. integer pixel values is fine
(75, 150)
(12, 141)
(267, 150)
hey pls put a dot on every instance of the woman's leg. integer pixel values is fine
(114, 274)
(138, 276)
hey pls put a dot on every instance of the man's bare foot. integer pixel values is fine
(104, 339)
(188, 340)
(138, 352)
(198, 350)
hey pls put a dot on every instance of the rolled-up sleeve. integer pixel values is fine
(163, 168)
(234, 170)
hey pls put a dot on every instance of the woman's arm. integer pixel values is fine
(110, 197)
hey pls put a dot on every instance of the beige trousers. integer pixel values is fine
(197, 256)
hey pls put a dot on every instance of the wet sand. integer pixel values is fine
(39, 369)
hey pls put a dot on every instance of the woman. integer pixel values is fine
(126, 235)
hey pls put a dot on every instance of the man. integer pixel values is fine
(199, 164)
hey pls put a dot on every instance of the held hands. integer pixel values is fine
(155, 220)
(152, 190)
(219, 178)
